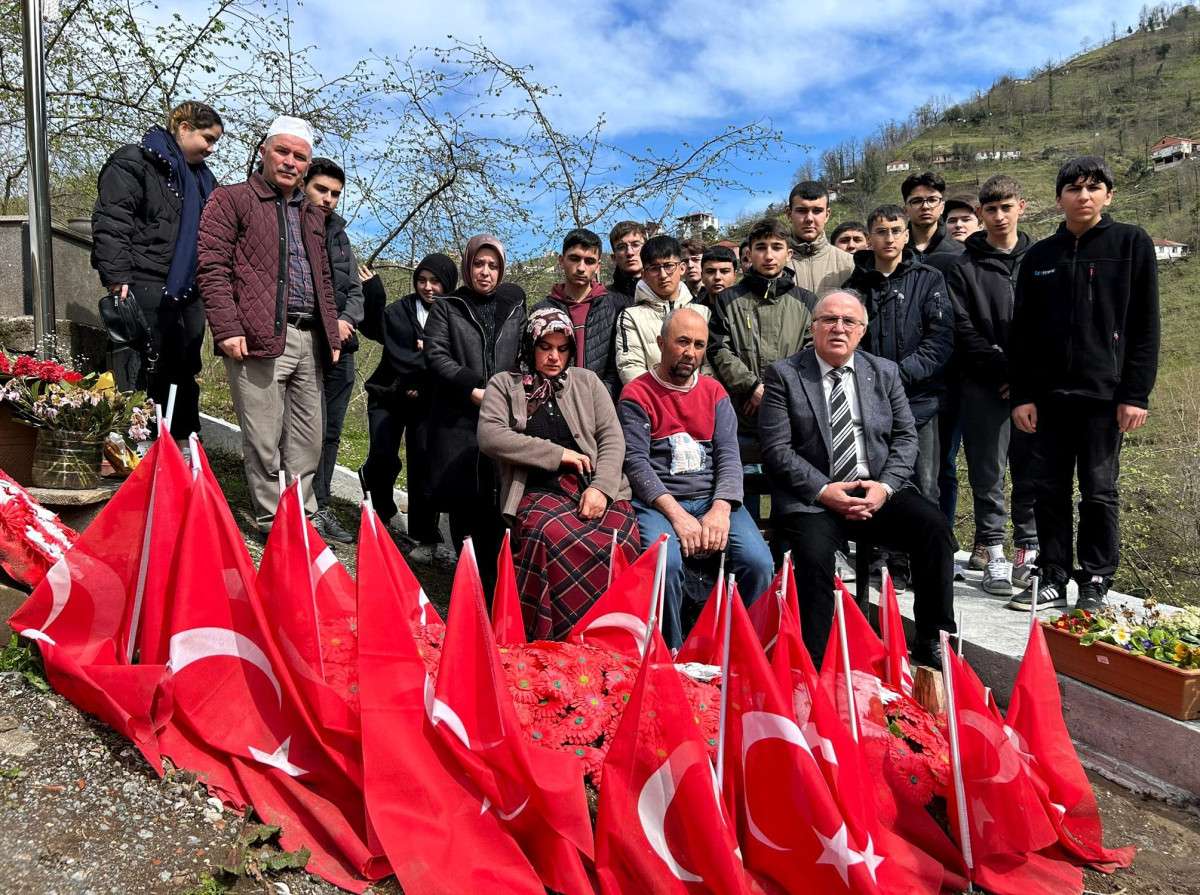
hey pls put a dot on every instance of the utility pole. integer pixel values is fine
(41, 260)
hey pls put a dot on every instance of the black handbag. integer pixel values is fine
(124, 321)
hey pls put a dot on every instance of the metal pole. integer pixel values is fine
(41, 261)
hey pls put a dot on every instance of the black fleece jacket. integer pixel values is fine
(1086, 322)
(910, 323)
(982, 287)
(943, 250)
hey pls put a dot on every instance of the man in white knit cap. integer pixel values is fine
(267, 287)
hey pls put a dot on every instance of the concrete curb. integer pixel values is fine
(226, 436)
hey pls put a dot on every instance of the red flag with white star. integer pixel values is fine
(506, 603)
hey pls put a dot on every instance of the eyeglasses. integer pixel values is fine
(627, 248)
(927, 201)
(663, 270)
(829, 321)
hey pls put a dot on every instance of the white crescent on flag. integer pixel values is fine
(1010, 763)
(758, 726)
(653, 802)
(440, 713)
(195, 644)
(625, 621)
(59, 578)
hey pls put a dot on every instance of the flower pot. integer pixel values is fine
(1147, 682)
(68, 460)
(17, 442)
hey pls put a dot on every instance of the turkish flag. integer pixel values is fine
(239, 719)
(506, 603)
(107, 593)
(864, 656)
(308, 598)
(619, 619)
(706, 641)
(898, 671)
(415, 607)
(539, 796)
(617, 559)
(1036, 728)
(766, 613)
(1005, 816)
(661, 827)
(426, 812)
(794, 835)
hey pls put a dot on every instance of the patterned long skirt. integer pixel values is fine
(562, 559)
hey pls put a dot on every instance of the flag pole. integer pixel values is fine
(885, 616)
(960, 794)
(171, 404)
(721, 589)
(158, 416)
(312, 585)
(612, 552)
(727, 618)
(139, 591)
(1035, 583)
(660, 574)
(194, 450)
(959, 635)
(844, 645)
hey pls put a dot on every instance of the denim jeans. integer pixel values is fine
(747, 556)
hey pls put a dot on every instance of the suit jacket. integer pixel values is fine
(793, 426)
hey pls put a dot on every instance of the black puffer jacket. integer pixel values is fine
(404, 366)
(623, 283)
(459, 362)
(600, 342)
(1086, 322)
(135, 220)
(982, 288)
(347, 287)
(911, 323)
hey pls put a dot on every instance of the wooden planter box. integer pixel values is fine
(1156, 685)
(17, 442)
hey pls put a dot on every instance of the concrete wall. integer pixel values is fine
(76, 287)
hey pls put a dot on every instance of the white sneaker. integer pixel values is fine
(997, 577)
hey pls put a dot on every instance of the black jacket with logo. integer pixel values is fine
(982, 287)
(1086, 322)
(909, 322)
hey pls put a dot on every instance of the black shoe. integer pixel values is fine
(329, 528)
(928, 652)
(1050, 596)
(1093, 594)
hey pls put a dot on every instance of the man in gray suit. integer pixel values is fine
(839, 443)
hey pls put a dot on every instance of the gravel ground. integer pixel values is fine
(81, 813)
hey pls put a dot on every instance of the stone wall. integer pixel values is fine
(76, 287)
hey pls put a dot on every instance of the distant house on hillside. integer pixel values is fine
(943, 158)
(897, 166)
(996, 155)
(1170, 151)
(1010, 154)
(696, 223)
(1167, 250)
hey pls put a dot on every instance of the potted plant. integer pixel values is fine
(18, 438)
(73, 419)
(1150, 656)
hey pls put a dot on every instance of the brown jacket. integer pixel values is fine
(242, 268)
(588, 410)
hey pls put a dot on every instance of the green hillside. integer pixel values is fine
(1116, 101)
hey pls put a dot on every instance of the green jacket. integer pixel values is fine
(755, 323)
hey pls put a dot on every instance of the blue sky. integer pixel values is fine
(670, 71)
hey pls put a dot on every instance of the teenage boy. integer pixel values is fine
(764, 318)
(816, 266)
(658, 293)
(962, 218)
(1084, 351)
(718, 271)
(981, 289)
(849, 236)
(911, 323)
(693, 256)
(924, 199)
(626, 240)
(323, 185)
(592, 308)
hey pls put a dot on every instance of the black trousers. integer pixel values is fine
(339, 386)
(480, 519)
(908, 522)
(388, 425)
(177, 336)
(1077, 435)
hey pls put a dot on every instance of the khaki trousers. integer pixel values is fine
(280, 407)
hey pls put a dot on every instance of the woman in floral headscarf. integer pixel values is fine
(554, 432)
